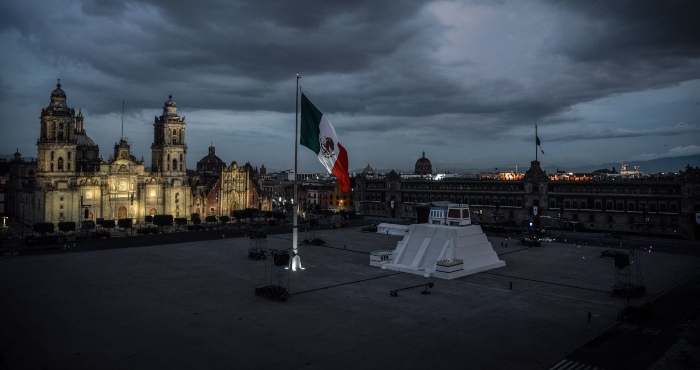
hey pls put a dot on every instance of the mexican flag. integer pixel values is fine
(318, 134)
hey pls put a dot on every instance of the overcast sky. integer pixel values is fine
(464, 81)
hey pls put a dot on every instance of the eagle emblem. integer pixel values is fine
(327, 147)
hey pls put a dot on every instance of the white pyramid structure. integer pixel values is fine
(441, 248)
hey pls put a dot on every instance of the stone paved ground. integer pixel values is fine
(192, 305)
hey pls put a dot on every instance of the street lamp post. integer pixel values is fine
(22, 219)
(4, 230)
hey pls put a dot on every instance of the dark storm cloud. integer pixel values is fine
(679, 129)
(630, 30)
(166, 43)
(264, 42)
(380, 68)
(188, 48)
(622, 46)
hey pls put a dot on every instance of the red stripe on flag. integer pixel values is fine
(340, 169)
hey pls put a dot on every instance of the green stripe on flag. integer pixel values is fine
(310, 121)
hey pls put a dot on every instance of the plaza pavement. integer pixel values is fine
(192, 306)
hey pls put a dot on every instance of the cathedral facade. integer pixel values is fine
(73, 183)
(220, 190)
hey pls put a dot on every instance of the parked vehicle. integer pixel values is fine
(531, 240)
(371, 228)
(638, 314)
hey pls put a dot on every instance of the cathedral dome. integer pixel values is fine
(368, 170)
(423, 166)
(84, 140)
(210, 163)
(211, 159)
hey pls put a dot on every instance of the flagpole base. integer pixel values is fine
(296, 263)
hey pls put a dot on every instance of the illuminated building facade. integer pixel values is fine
(655, 206)
(73, 183)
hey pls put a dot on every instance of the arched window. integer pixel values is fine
(52, 155)
(60, 163)
(174, 164)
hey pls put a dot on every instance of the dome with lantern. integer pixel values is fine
(423, 166)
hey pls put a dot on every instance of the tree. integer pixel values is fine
(162, 220)
(210, 219)
(179, 221)
(249, 212)
(109, 224)
(88, 225)
(66, 226)
(238, 214)
(125, 223)
(224, 219)
(242, 214)
(43, 228)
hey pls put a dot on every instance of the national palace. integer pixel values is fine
(623, 203)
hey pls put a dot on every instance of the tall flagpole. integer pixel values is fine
(296, 260)
(536, 137)
(122, 119)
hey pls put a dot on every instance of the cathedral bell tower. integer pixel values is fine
(169, 151)
(57, 144)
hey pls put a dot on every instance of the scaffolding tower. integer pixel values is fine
(274, 284)
(311, 235)
(628, 276)
(258, 240)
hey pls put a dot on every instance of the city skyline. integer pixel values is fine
(465, 81)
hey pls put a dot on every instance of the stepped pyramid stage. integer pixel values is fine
(440, 248)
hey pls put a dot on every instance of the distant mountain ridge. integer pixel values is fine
(668, 164)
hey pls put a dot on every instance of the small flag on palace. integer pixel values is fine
(539, 143)
(318, 134)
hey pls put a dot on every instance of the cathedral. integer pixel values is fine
(71, 182)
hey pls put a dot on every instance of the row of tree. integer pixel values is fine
(161, 221)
